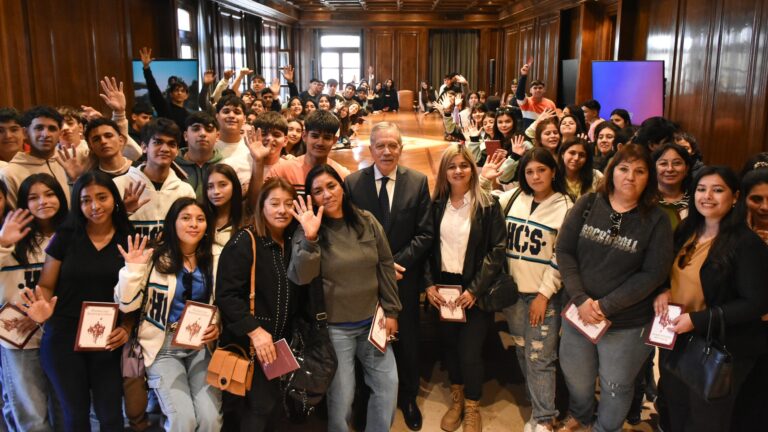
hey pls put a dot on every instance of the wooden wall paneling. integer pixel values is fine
(490, 43)
(409, 53)
(383, 54)
(588, 45)
(527, 47)
(548, 53)
(693, 78)
(738, 77)
(111, 49)
(149, 26)
(15, 67)
(663, 41)
(509, 59)
(632, 29)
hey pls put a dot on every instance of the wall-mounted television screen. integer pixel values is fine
(637, 86)
(163, 70)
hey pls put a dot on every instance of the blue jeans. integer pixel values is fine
(616, 358)
(537, 353)
(178, 378)
(379, 370)
(25, 391)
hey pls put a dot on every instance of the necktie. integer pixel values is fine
(384, 202)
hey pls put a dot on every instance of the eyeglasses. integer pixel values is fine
(615, 224)
(186, 281)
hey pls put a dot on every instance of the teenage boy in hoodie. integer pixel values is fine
(150, 189)
(201, 134)
(43, 127)
(230, 114)
(11, 135)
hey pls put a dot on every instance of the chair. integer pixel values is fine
(405, 99)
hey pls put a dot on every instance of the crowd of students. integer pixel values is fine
(617, 219)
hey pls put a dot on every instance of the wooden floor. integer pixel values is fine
(423, 143)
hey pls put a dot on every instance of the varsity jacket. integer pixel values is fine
(24, 165)
(531, 238)
(148, 220)
(14, 277)
(137, 280)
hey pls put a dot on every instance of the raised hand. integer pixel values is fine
(458, 101)
(229, 73)
(518, 144)
(472, 129)
(209, 77)
(146, 56)
(132, 197)
(70, 162)
(547, 113)
(288, 73)
(245, 71)
(35, 305)
(113, 94)
(137, 252)
(302, 211)
(255, 143)
(446, 104)
(15, 227)
(275, 86)
(90, 113)
(524, 70)
(460, 79)
(491, 170)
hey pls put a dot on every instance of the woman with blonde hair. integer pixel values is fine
(468, 250)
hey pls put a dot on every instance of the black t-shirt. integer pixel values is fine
(86, 274)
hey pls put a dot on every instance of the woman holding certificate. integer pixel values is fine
(274, 303)
(24, 236)
(536, 211)
(165, 283)
(348, 249)
(719, 269)
(81, 266)
(468, 253)
(614, 250)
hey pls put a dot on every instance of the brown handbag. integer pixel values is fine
(231, 368)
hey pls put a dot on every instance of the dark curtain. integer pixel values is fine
(453, 51)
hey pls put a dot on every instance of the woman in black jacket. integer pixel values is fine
(389, 101)
(468, 250)
(720, 269)
(275, 301)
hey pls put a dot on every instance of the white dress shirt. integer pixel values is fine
(454, 235)
(390, 185)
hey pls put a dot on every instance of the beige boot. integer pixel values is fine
(472, 420)
(452, 419)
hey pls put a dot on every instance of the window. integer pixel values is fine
(187, 27)
(340, 58)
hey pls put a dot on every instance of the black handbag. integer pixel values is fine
(305, 387)
(503, 291)
(703, 364)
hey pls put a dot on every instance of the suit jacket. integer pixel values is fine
(741, 294)
(410, 227)
(486, 248)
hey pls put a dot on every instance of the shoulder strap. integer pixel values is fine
(588, 210)
(511, 201)
(252, 294)
(135, 331)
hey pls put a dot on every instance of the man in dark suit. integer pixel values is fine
(399, 199)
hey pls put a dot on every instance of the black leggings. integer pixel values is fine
(77, 375)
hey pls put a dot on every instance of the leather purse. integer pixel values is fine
(703, 363)
(305, 387)
(231, 368)
(503, 291)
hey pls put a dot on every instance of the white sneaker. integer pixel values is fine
(543, 428)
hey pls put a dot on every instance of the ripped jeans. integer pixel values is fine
(616, 359)
(536, 349)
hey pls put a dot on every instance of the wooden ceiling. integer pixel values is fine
(437, 6)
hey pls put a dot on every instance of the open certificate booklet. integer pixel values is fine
(593, 332)
(451, 311)
(661, 333)
(378, 333)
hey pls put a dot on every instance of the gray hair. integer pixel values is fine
(388, 126)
